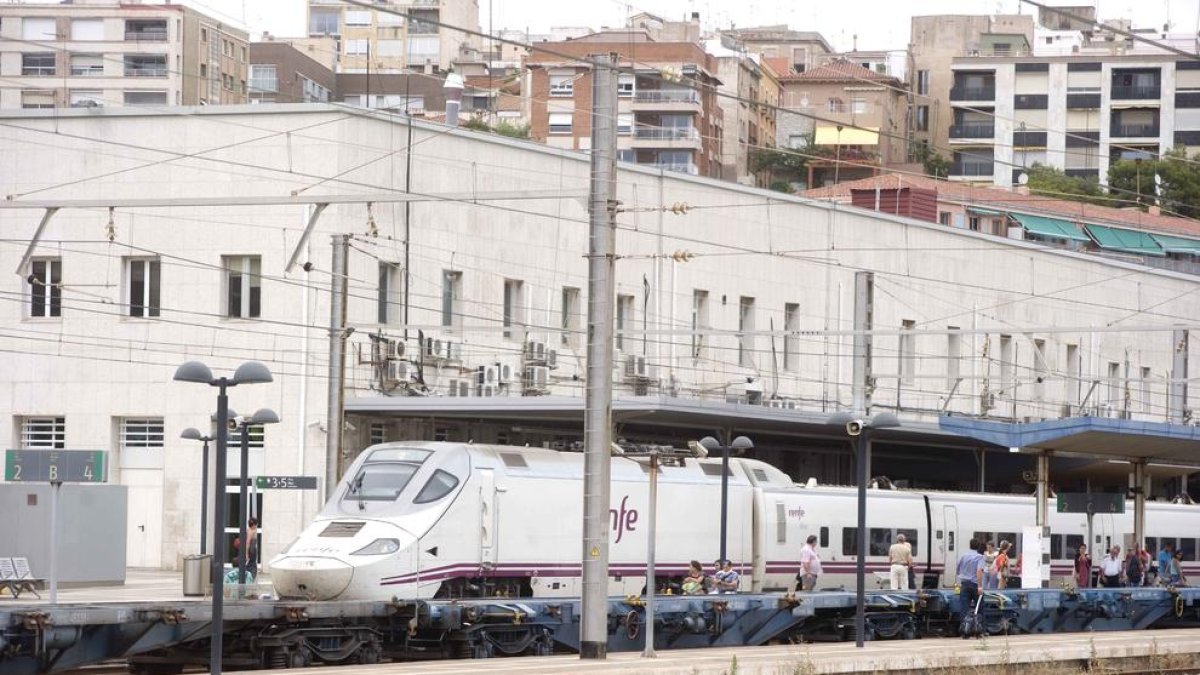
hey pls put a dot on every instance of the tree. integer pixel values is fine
(512, 129)
(1053, 182)
(779, 167)
(1179, 190)
(934, 164)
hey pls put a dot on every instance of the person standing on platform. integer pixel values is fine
(970, 576)
(1083, 568)
(1166, 553)
(989, 566)
(1135, 567)
(900, 556)
(1002, 565)
(1111, 568)
(810, 565)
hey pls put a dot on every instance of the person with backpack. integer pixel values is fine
(1135, 567)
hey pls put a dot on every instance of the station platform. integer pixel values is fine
(1173, 650)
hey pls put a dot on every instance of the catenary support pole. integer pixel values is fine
(1179, 377)
(55, 486)
(338, 287)
(204, 500)
(860, 569)
(218, 561)
(864, 310)
(651, 539)
(597, 432)
(1043, 496)
(243, 505)
(1139, 504)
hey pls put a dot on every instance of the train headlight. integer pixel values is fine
(379, 547)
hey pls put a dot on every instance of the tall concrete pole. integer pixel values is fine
(864, 319)
(1179, 376)
(338, 288)
(597, 426)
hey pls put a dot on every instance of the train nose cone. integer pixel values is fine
(310, 577)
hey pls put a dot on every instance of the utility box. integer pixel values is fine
(91, 530)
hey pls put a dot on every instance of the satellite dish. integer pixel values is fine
(1023, 179)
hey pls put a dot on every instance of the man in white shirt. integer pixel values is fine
(1111, 568)
(810, 565)
(900, 556)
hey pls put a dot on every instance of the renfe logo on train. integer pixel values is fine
(623, 519)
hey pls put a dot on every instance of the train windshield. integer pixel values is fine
(385, 474)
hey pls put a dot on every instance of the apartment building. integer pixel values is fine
(92, 54)
(283, 72)
(802, 49)
(1078, 113)
(381, 41)
(668, 114)
(751, 93)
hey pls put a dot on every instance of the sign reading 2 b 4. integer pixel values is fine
(48, 466)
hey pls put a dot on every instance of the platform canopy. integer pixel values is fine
(1097, 437)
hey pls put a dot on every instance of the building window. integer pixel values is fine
(908, 352)
(263, 78)
(973, 223)
(560, 123)
(85, 98)
(625, 85)
(45, 287)
(390, 282)
(1007, 365)
(1074, 371)
(358, 18)
(791, 341)
(835, 105)
(204, 35)
(358, 47)
(38, 29)
(141, 442)
(378, 433)
(145, 65)
(943, 217)
(858, 105)
(953, 355)
(142, 282)
(699, 322)
(87, 29)
(151, 30)
(243, 286)
(746, 325)
(37, 64)
(1114, 384)
(514, 305)
(624, 318)
(570, 318)
(922, 82)
(1145, 389)
(145, 98)
(37, 99)
(324, 22)
(1039, 369)
(451, 298)
(562, 85)
(43, 433)
(87, 65)
(922, 118)
(625, 123)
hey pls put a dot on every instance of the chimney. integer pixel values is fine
(454, 90)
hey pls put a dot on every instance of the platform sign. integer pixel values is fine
(286, 482)
(1091, 502)
(47, 466)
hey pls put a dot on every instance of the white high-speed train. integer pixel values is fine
(423, 520)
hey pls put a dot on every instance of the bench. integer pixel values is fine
(16, 576)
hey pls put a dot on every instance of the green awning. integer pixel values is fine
(1177, 244)
(1128, 241)
(984, 212)
(1053, 228)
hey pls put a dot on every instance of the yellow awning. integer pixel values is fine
(848, 136)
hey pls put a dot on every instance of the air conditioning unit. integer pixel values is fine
(782, 403)
(552, 358)
(505, 371)
(754, 392)
(450, 351)
(487, 376)
(636, 368)
(488, 390)
(394, 349)
(439, 349)
(535, 351)
(401, 371)
(987, 401)
(537, 378)
(458, 388)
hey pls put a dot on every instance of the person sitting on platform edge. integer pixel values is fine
(726, 578)
(1111, 569)
(810, 565)
(693, 583)
(900, 557)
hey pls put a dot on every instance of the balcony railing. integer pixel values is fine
(1138, 92)
(145, 71)
(973, 130)
(972, 169)
(660, 96)
(973, 93)
(681, 167)
(146, 35)
(1083, 101)
(1135, 130)
(666, 133)
(37, 70)
(87, 71)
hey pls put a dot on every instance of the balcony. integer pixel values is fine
(973, 130)
(145, 31)
(1031, 102)
(666, 137)
(1133, 130)
(680, 167)
(1083, 173)
(1082, 139)
(1029, 139)
(1083, 101)
(972, 170)
(964, 93)
(1187, 99)
(1136, 92)
(666, 100)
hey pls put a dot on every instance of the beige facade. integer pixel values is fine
(381, 41)
(107, 54)
(803, 49)
(750, 95)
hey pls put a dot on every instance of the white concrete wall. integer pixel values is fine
(94, 365)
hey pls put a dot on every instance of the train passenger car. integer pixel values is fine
(426, 520)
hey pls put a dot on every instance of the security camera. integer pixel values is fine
(855, 427)
(236, 421)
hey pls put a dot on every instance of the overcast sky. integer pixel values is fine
(879, 24)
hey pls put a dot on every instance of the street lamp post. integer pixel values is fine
(859, 429)
(250, 372)
(262, 416)
(741, 444)
(193, 434)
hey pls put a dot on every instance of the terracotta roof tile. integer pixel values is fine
(1001, 199)
(780, 64)
(838, 71)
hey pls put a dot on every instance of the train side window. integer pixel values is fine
(881, 539)
(824, 537)
(1188, 546)
(982, 537)
(849, 541)
(1056, 546)
(439, 485)
(950, 540)
(1010, 537)
(911, 536)
(780, 523)
(1074, 541)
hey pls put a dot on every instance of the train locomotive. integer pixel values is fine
(423, 520)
